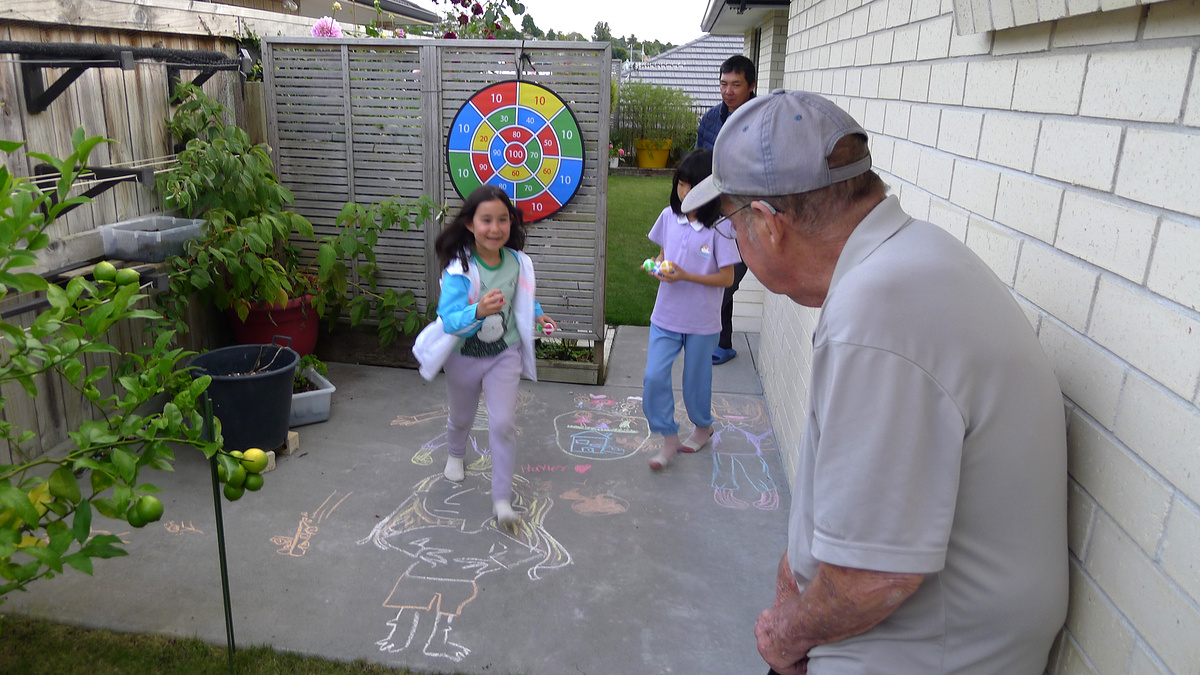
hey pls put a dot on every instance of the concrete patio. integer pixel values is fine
(358, 548)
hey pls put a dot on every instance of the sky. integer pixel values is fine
(674, 21)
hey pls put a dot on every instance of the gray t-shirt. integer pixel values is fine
(935, 444)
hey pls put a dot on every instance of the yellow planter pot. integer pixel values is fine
(652, 154)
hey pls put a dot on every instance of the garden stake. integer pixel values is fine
(216, 483)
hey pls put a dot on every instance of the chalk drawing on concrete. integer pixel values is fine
(297, 544)
(180, 527)
(742, 477)
(595, 502)
(446, 532)
(424, 456)
(601, 428)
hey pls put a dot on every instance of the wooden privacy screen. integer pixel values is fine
(367, 119)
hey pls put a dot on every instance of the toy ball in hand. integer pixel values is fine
(654, 267)
(547, 329)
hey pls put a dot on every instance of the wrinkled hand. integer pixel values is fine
(771, 647)
(490, 303)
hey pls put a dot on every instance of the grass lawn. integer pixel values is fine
(34, 647)
(634, 203)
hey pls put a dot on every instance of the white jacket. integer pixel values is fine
(434, 345)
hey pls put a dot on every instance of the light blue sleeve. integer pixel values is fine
(454, 309)
(537, 309)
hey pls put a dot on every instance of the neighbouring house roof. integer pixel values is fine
(694, 67)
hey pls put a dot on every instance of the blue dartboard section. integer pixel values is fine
(522, 138)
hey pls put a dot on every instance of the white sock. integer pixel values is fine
(454, 469)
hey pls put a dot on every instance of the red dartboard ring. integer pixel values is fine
(522, 138)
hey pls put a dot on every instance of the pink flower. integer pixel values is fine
(621, 152)
(400, 32)
(326, 27)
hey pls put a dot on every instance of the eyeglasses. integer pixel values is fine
(725, 226)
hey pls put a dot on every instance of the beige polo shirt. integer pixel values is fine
(935, 444)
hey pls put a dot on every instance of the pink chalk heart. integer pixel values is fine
(582, 468)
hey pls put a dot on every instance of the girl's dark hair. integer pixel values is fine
(693, 168)
(456, 241)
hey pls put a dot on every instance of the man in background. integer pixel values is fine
(737, 87)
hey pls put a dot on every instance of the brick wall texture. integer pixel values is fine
(1066, 153)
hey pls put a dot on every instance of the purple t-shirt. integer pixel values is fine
(685, 306)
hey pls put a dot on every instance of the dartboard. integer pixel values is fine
(522, 138)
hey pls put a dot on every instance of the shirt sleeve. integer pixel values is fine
(454, 309)
(888, 453)
(658, 233)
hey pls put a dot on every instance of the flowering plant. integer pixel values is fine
(615, 152)
(326, 26)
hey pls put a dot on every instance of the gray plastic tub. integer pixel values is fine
(149, 238)
(312, 406)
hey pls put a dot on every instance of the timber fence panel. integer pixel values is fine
(367, 119)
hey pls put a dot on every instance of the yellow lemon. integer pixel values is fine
(255, 460)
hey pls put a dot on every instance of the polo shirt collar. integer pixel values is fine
(885, 220)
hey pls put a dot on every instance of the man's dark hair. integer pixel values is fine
(741, 65)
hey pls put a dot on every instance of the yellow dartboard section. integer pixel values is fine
(522, 138)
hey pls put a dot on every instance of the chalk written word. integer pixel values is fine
(539, 468)
(176, 528)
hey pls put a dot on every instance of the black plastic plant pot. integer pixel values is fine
(251, 392)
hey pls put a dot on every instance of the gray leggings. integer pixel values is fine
(498, 378)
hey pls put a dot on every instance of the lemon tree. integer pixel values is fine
(47, 503)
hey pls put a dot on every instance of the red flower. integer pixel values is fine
(476, 9)
(451, 35)
(462, 19)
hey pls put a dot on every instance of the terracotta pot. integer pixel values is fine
(295, 319)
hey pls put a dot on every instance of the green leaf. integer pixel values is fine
(64, 486)
(79, 561)
(104, 546)
(126, 463)
(18, 500)
(81, 527)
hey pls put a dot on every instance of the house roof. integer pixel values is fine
(403, 9)
(694, 67)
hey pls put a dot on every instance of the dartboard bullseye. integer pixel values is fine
(522, 138)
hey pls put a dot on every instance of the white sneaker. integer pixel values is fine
(454, 469)
(505, 516)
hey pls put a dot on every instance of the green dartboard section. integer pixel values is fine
(522, 138)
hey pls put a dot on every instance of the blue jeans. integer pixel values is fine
(658, 400)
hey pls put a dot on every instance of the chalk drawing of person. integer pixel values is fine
(735, 471)
(447, 532)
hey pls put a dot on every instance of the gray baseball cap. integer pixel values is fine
(777, 145)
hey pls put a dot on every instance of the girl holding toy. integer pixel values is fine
(483, 335)
(687, 311)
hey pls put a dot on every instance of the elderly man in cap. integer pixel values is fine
(928, 523)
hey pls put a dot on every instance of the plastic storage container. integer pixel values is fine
(312, 406)
(149, 238)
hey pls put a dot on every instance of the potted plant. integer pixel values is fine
(653, 119)
(248, 265)
(615, 155)
(312, 392)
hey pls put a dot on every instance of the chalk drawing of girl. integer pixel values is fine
(447, 531)
(745, 471)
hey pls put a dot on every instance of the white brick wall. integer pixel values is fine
(1067, 154)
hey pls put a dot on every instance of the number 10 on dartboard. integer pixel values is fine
(522, 138)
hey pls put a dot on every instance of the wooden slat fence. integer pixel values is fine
(367, 119)
(129, 107)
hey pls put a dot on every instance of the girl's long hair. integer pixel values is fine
(456, 241)
(693, 168)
